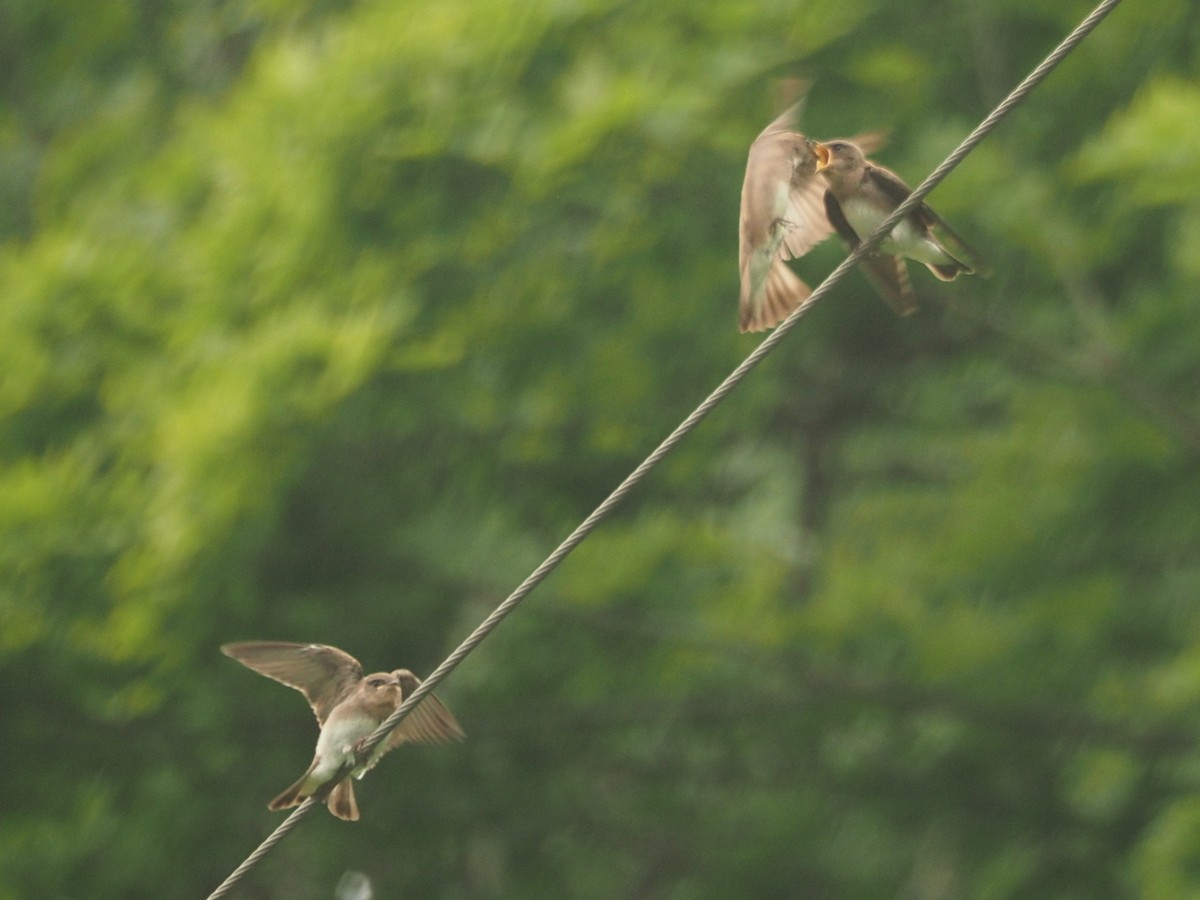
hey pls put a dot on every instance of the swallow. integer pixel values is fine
(349, 707)
(782, 217)
(860, 195)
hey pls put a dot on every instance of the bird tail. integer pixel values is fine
(297, 793)
(782, 293)
(959, 257)
(950, 271)
(340, 801)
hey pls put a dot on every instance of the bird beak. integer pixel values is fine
(823, 156)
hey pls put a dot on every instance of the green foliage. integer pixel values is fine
(328, 321)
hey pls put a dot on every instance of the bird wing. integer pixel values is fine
(429, 723)
(782, 293)
(324, 674)
(833, 211)
(807, 222)
(794, 92)
(889, 276)
(806, 208)
(870, 141)
(887, 183)
(784, 121)
(951, 241)
(893, 187)
(890, 184)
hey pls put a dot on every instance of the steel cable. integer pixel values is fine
(687, 425)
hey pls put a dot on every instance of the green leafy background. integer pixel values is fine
(326, 320)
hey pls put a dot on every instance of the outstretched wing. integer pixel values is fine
(429, 723)
(785, 121)
(807, 223)
(792, 95)
(324, 674)
(870, 141)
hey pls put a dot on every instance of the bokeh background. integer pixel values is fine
(327, 320)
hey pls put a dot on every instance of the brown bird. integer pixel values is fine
(860, 195)
(349, 707)
(782, 217)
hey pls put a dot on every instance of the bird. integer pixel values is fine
(782, 216)
(859, 195)
(349, 707)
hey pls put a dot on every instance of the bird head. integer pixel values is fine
(837, 156)
(804, 159)
(382, 690)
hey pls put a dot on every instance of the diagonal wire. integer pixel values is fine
(584, 528)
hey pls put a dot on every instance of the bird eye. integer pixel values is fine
(376, 682)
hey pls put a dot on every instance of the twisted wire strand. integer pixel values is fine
(263, 849)
(731, 381)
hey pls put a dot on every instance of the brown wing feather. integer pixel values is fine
(889, 276)
(430, 723)
(782, 293)
(806, 213)
(324, 674)
(870, 141)
(966, 255)
(833, 210)
(806, 217)
(888, 182)
(784, 121)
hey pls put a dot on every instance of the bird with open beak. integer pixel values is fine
(782, 217)
(860, 196)
(349, 707)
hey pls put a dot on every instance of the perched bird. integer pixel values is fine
(860, 196)
(349, 708)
